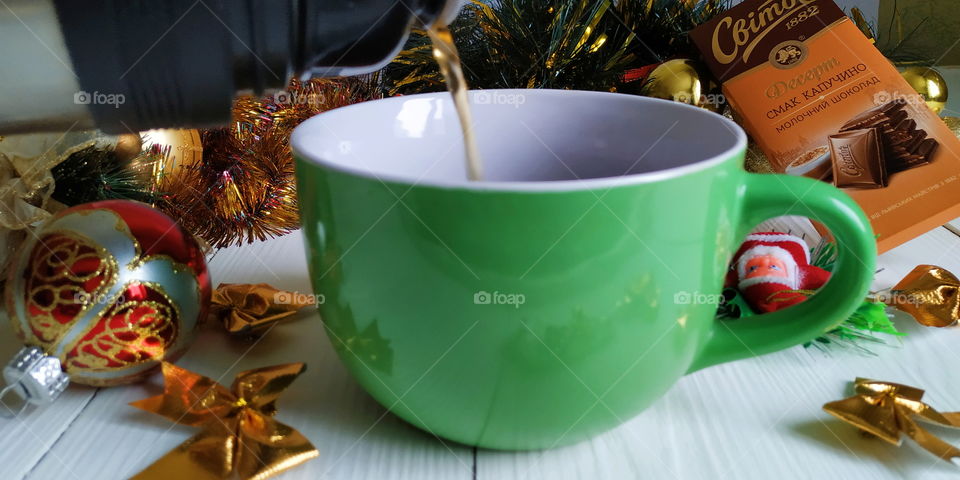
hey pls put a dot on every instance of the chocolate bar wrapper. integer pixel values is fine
(802, 76)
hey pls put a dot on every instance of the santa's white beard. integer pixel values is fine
(791, 284)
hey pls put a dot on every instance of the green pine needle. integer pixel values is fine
(95, 174)
(824, 256)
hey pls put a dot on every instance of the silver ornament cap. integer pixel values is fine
(35, 376)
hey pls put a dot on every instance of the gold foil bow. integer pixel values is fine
(240, 438)
(249, 309)
(888, 410)
(930, 294)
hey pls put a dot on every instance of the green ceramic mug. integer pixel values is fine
(570, 289)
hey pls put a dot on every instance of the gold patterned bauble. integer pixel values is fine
(929, 84)
(685, 81)
(109, 289)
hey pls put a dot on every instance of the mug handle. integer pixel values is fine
(766, 196)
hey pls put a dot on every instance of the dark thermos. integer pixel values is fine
(131, 65)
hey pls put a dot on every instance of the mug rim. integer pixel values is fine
(300, 135)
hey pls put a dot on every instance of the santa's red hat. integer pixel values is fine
(790, 249)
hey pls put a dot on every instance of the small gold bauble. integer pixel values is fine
(128, 146)
(183, 147)
(929, 84)
(685, 81)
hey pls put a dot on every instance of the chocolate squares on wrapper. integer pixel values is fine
(807, 85)
(857, 159)
(881, 116)
(904, 146)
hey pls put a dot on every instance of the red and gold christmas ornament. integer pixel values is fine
(104, 293)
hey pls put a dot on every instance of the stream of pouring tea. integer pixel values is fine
(446, 54)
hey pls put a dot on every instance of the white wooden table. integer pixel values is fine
(753, 419)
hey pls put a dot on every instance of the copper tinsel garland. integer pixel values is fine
(244, 189)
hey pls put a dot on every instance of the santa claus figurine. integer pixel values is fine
(770, 268)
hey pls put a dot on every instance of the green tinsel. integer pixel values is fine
(863, 325)
(860, 328)
(95, 174)
(583, 45)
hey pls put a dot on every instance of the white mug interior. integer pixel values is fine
(540, 139)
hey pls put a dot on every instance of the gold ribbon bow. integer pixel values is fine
(26, 181)
(930, 294)
(249, 309)
(240, 438)
(888, 410)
